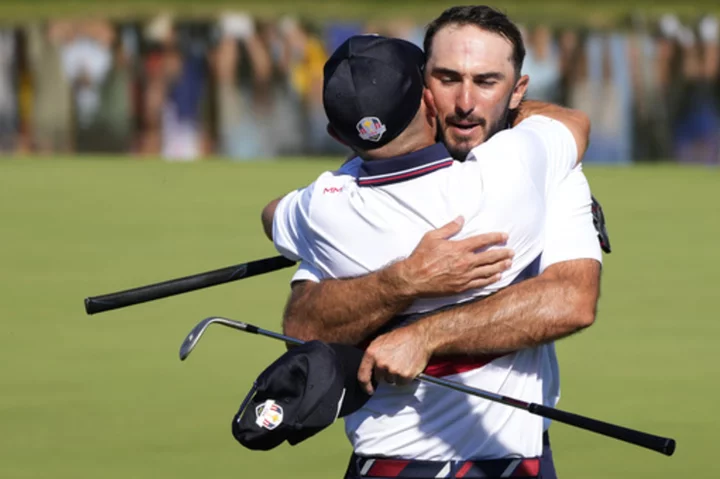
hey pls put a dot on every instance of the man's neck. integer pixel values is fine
(385, 153)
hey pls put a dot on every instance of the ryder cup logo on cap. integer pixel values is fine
(371, 128)
(269, 415)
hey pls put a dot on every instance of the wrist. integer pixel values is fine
(397, 279)
(423, 330)
(529, 108)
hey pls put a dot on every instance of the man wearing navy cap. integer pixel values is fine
(473, 68)
(377, 209)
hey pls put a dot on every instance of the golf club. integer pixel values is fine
(151, 292)
(659, 444)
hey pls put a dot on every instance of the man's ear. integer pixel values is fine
(519, 92)
(331, 131)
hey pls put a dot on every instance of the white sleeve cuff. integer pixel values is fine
(307, 272)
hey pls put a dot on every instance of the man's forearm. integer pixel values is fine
(350, 310)
(556, 304)
(345, 310)
(529, 108)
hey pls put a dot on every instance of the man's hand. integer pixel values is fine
(350, 310)
(438, 267)
(395, 358)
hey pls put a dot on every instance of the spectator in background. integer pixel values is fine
(698, 126)
(403, 28)
(569, 51)
(115, 117)
(336, 32)
(650, 58)
(543, 65)
(185, 133)
(175, 102)
(84, 86)
(51, 118)
(670, 75)
(23, 85)
(158, 35)
(595, 95)
(8, 92)
(242, 69)
(305, 58)
(288, 117)
(709, 33)
(598, 88)
(87, 59)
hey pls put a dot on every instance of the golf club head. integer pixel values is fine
(194, 336)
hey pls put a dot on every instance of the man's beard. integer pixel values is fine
(460, 152)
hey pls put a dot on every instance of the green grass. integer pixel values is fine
(106, 396)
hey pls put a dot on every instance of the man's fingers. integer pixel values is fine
(482, 241)
(493, 257)
(447, 231)
(482, 282)
(384, 375)
(489, 270)
(365, 373)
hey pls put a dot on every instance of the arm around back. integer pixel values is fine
(352, 309)
(267, 215)
(575, 120)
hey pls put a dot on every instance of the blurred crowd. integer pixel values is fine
(245, 88)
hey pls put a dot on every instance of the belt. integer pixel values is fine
(485, 469)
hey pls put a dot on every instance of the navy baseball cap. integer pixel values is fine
(300, 394)
(372, 89)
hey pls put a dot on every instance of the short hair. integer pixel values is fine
(485, 18)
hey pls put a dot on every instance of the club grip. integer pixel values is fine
(121, 299)
(662, 445)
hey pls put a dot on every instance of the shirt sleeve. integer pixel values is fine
(569, 229)
(292, 234)
(307, 272)
(551, 151)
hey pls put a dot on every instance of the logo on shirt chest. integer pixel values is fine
(332, 190)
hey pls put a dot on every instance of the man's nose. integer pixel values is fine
(464, 104)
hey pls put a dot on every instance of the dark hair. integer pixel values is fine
(483, 17)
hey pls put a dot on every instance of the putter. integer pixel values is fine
(659, 444)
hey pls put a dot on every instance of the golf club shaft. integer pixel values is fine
(659, 444)
(249, 328)
(151, 292)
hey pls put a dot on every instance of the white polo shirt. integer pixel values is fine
(368, 214)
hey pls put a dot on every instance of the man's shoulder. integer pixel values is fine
(545, 127)
(351, 166)
(498, 150)
(523, 141)
(336, 181)
(329, 185)
(538, 120)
